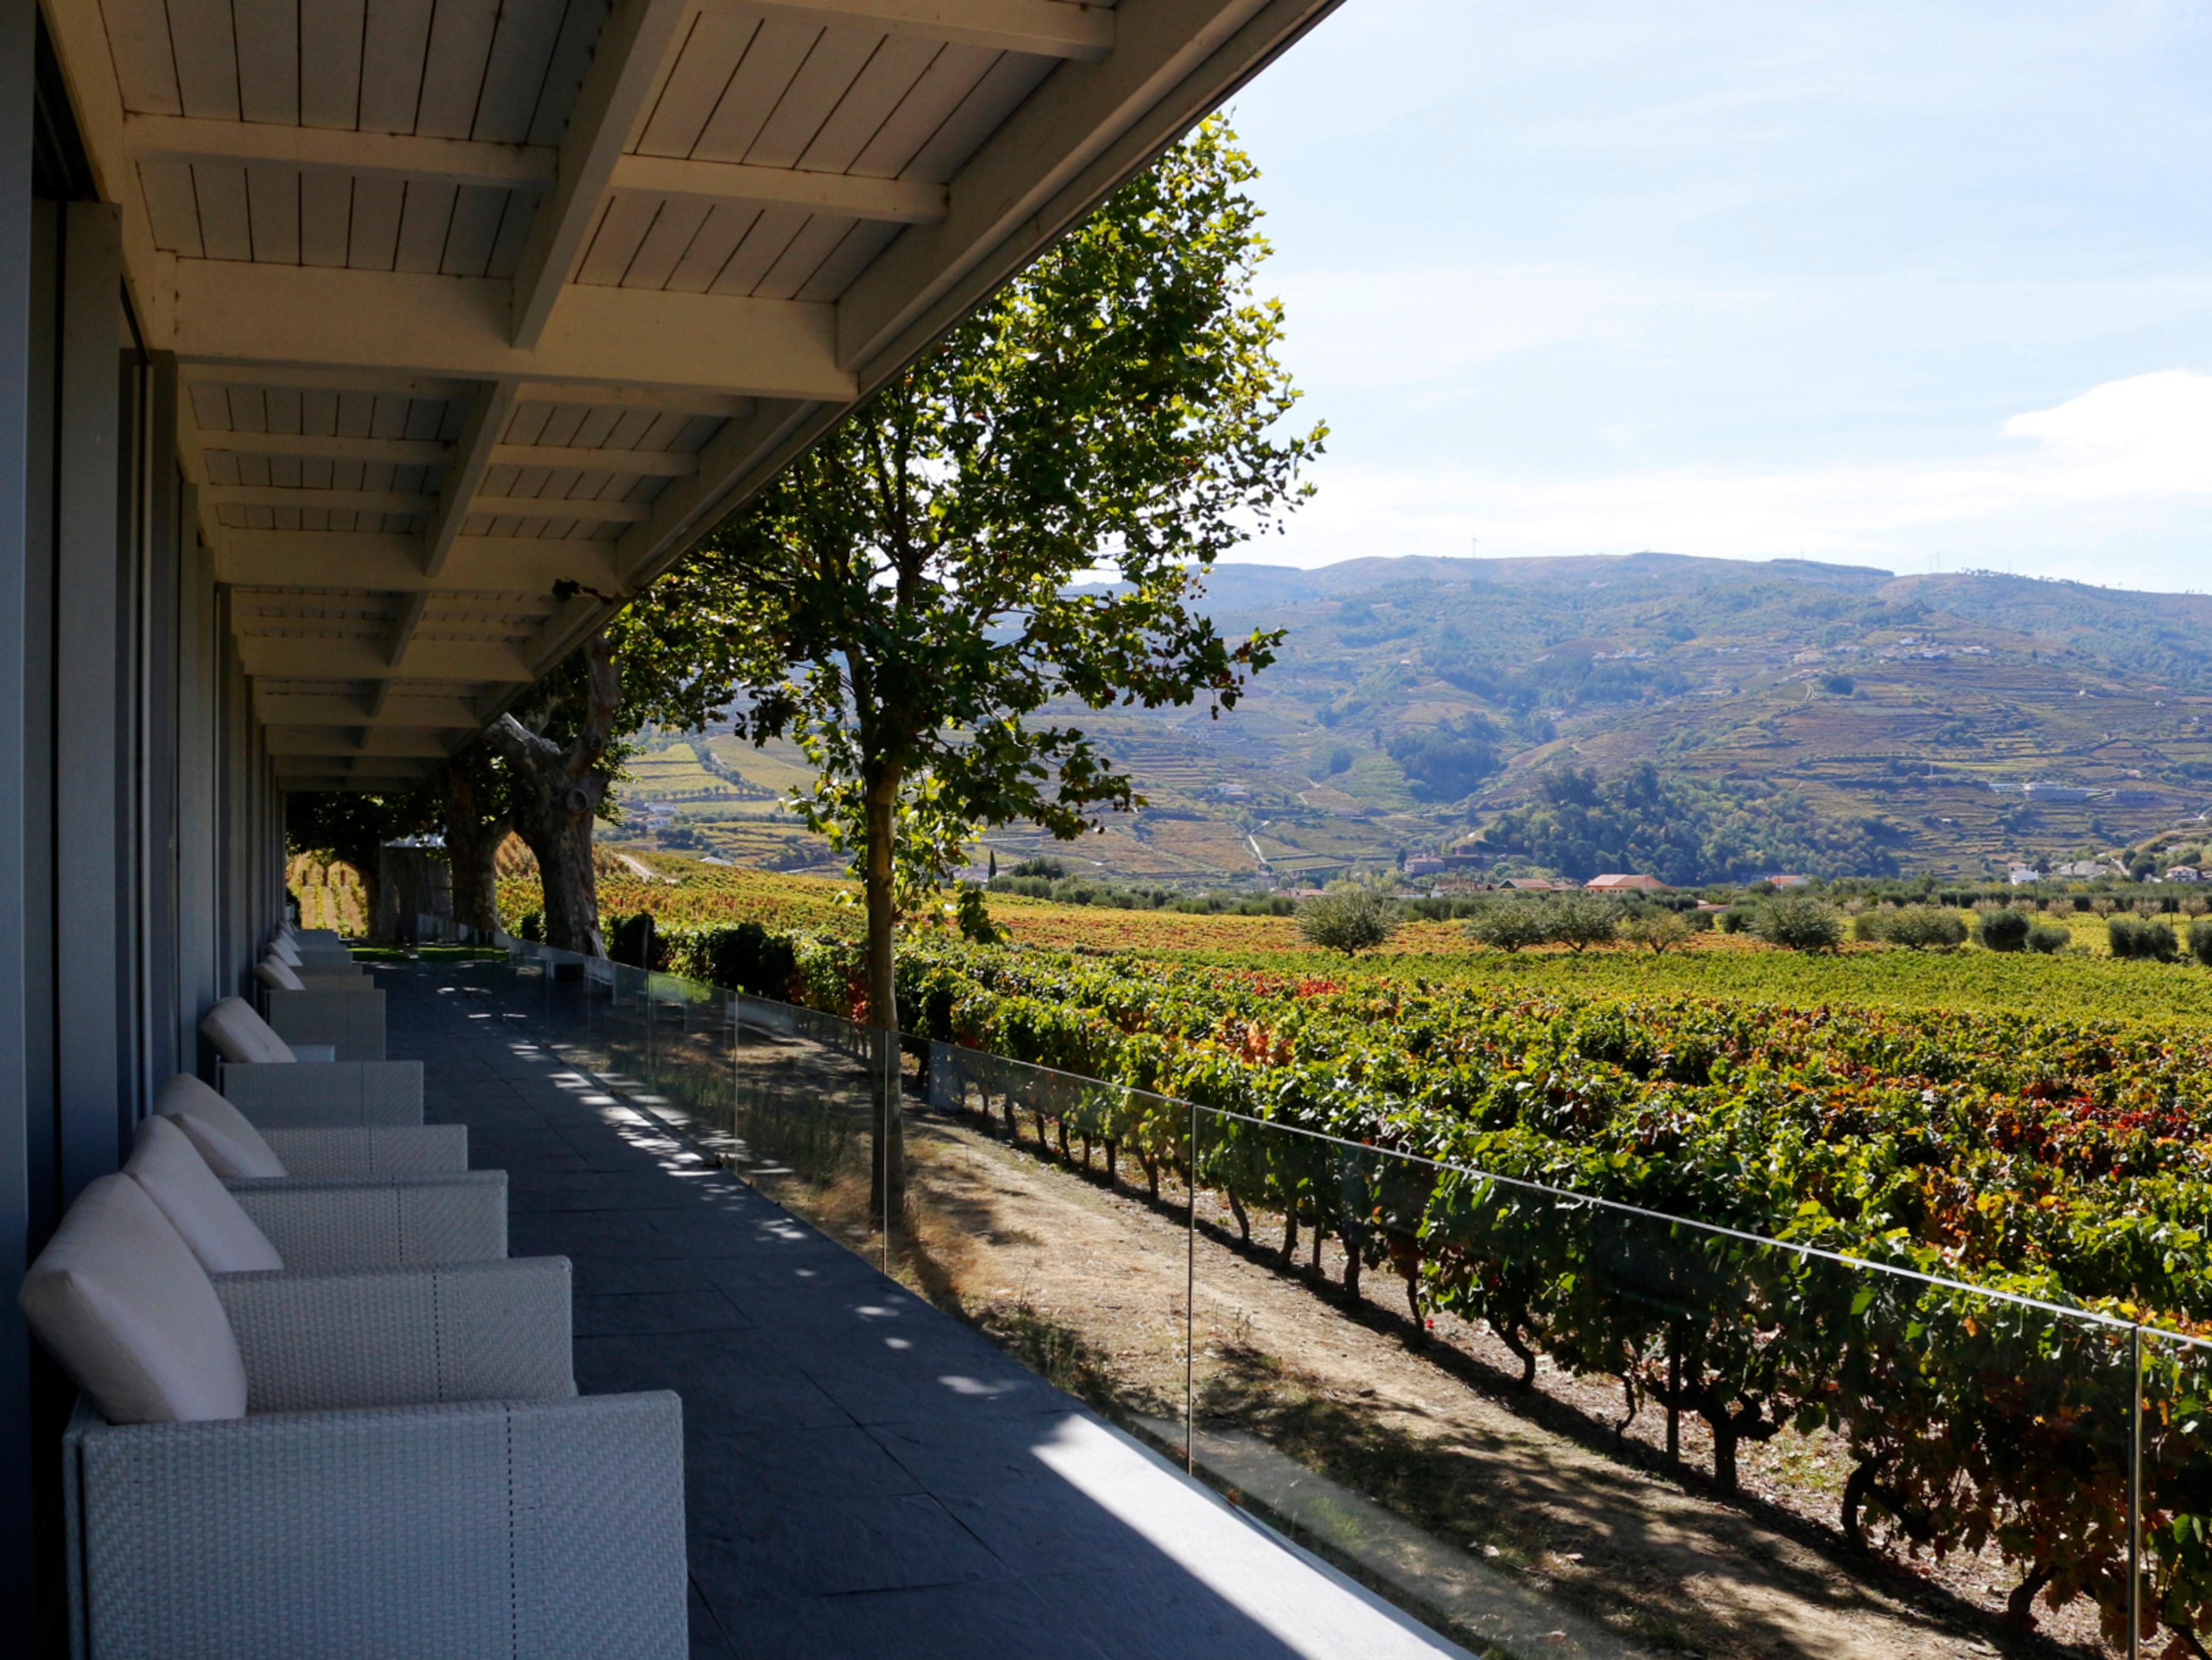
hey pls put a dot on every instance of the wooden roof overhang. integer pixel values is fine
(470, 297)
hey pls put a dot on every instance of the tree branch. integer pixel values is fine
(517, 743)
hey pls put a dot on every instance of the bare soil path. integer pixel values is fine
(1515, 1519)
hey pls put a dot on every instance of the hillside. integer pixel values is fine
(1892, 722)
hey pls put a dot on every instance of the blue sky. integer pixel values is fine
(1881, 283)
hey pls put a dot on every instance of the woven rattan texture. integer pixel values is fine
(326, 1095)
(387, 1222)
(359, 1153)
(469, 1332)
(353, 1020)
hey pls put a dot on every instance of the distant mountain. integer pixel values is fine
(1862, 719)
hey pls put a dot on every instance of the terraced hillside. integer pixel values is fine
(1416, 701)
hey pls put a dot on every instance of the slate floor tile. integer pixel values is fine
(939, 1622)
(651, 1313)
(837, 1547)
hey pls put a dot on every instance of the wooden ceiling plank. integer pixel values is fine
(625, 66)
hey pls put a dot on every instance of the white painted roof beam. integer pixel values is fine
(404, 324)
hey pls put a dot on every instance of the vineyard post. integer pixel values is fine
(1674, 1396)
(1190, 1302)
(2135, 1497)
(886, 1129)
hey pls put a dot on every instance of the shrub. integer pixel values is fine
(2004, 930)
(974, 916)
(745, 957)
(1738, 919)
(2047, 941)
(1659, 930)
(2062, 907)
(1799, 922)
(1871, 926)
(532, 927)
(1577, 920)
(2141, 938)
(1351, 917)
(2200, 942)
(2103, 907)
(629, 939)
(1926, 927)
(1507, 924)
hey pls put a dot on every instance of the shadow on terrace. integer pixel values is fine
(864, 1473)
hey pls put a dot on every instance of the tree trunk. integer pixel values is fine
(472, 842)
(556, 793)
(887, 1179)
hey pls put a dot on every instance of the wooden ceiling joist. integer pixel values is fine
(778, 202)
(406, 324)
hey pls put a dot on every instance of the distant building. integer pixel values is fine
(1535, 884)
(1426, 866)
(2084, 870)
(2022, 875)
(2184, 873)
(1789, 881)
(1618, 884)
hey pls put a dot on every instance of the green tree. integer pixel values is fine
(1797, 922)
(475, 815)
(351, 827)
(1580, 920)
(1507, 924)
(559, 756)
(658, 662)
(908, 598)
(1351, 917)
(1657, 928)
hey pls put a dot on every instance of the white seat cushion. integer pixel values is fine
(277, 974)
(284, 952)
(124, 1306)
(221, 1134)
(220, 1232)
(241, 1036)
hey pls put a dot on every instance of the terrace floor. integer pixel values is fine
(865, 1475)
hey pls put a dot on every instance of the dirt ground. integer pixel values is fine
(1413, 1458)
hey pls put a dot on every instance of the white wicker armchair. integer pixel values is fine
(415, 1475)
(263, 1077)
(234, 1147)
(381, 1463)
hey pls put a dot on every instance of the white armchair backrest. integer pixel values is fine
(225, 1137)
(241, 1036)
(277, 975)
(214, 1225)
(121, 1302)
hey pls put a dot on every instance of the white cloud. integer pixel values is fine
(2131, 459)
(2146, 435)
(1420, 328)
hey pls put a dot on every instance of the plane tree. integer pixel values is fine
(1017, 527)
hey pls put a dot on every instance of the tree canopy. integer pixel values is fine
(1680, 830)
(1014, 528)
